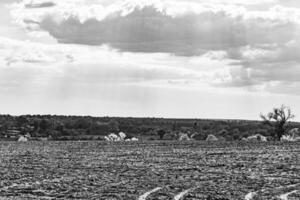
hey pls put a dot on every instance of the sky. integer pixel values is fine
(222, 59)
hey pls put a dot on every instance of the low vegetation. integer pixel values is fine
(52, 127)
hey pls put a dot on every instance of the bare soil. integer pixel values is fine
(188, 171)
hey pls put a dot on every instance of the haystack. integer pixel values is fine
(257, 137)
(211, 138)
(112, 137)
(122, 135)
(292, 136)
(184, 137)
(134, 139)
(22, 139)
(43, 139)
(295, 132)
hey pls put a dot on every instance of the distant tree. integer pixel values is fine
(278, 119)
(113, 125)
(223, 132)
(82, 123)
(236, 134)
(22, 120)
(45, 124)
(36, 124)
(55, 134)
(174, 126)
(161, 133)
(59, 126)
(195, 126)
(199, 136)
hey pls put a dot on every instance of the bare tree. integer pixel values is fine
(278, 119)
(161, 133)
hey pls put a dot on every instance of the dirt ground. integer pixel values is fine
(149, 170)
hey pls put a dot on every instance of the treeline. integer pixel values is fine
(75, 126)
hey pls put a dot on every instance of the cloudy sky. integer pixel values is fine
(156, 58)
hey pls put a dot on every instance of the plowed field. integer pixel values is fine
(149, 170)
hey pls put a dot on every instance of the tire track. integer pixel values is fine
(182, 194)
(252, 194)
(145, 195)
(286, 195)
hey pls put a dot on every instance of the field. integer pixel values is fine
(149, 170)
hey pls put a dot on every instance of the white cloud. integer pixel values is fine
(102, 65)
(17, 51)
(246, 44)
(180, 27)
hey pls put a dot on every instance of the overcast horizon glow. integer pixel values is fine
(215, 59)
